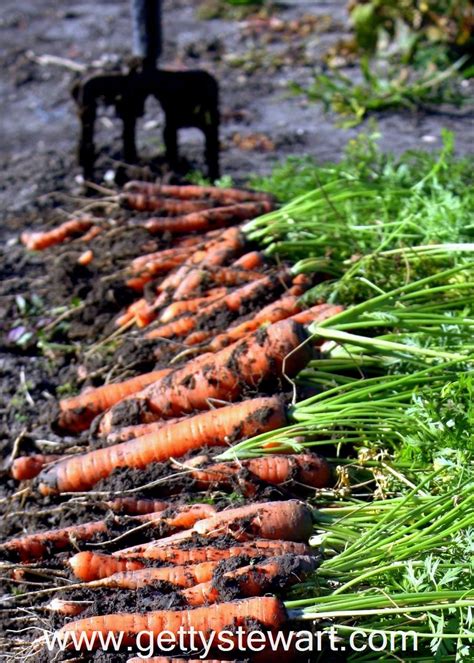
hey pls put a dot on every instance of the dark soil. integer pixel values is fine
(52, 310)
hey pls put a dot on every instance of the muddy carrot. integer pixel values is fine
(279, 310)
(78, 412)
(37, 241)
(189, 191)
(136, 506)
(67, 608)
(155, 269)
(268, 611)
(180, 576)
(227, 244)
(40, 544)
(142, 202)
(174, 554)
(251, 260)
(214, 427)
(235, 301)
(131, 432)
(290, 520)
(198, 337)
(176, 309)
(92, 233)
(307, 470)
(28, 467)
(251, 580)
(217, 217)
(201, 279)
(317, 313)
(224, 375)
(85, 258)
(88, 565)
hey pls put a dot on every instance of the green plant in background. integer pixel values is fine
(412, 54)
(381, 90)
(412, 24)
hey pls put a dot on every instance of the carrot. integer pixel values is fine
(225, 245)
(78, 412)
(85, 258)
(36, 546)
(154, 269)
(92, 233)
(251, 260)
(180, 576)
(267, 610)
(147, 314)
(197, 337)
(214, 427)
(37, 241)
(142, 202)
(188, 192)
(235, 301)
(275, 311)
(317, 313)
(141, 263)
(309, 470)
(28, 467)
(198, 279)
(138, 430)
(217, 217)
(290, 520)
(88, 565)
(176, 309)
(67, 608)
(173, 554)
(226, 373)
(134, 505)
(251, 580)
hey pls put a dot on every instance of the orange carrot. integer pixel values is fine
(36, 546)
(37, 241)
(290, 520)
(224, 374)
(317, 313)
(275, 311)
(251, 580)
(154, 269)
(78, 412)
(33, 546)
(190, 191)
(176, 309)
(268, 611)
(67, 608)
(180, 576)
(134, 505)
(251, 260)
(217, 217)
(197, 337)
(235, 301)
(88, 565)
(142, 202)
(173, 554)
(92, 233)
(198, 279)
(308, 470)
(225, 245)
(28, 467)
(131, 432)
(85, 258)
(214, 427)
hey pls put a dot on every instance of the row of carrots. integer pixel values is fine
(237, 324)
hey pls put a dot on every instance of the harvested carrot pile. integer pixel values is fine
(258, 431)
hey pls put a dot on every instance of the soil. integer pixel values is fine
(52, 309)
